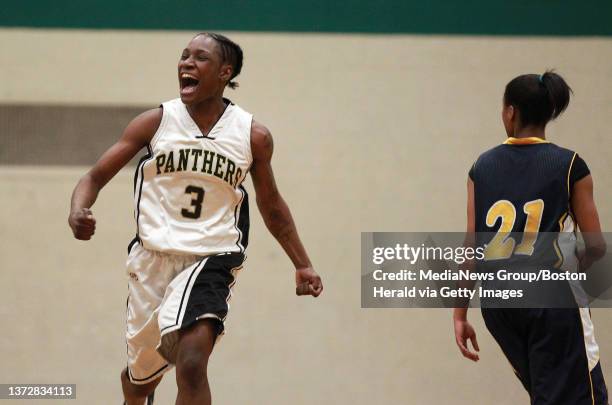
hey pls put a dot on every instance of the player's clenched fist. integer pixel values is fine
(83, 223)
(308, 282)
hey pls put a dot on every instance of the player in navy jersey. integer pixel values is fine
(524, 187)
(192, 220)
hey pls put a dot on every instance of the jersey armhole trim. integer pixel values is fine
(248, 150)
(569, 173)
(160, 128)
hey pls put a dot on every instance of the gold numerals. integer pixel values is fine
(502, 246)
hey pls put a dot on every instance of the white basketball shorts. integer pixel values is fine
(168, 293)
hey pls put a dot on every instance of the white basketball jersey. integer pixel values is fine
(188, 189)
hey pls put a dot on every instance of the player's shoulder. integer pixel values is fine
(150, 117)
(492, 152)
(561, 154)
(260, 134)
(488, 155)
(561, 150)
(262, 143)
(174, 105)
(259, 130)
(144, 126)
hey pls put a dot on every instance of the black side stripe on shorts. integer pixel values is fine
(216, 274)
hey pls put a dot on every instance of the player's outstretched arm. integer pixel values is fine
(276, 214)
(136, 135)
(463, 329)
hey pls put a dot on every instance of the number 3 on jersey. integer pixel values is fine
(196, 203)
(502, 246)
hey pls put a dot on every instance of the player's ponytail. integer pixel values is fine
(538, 98)
(558, 92)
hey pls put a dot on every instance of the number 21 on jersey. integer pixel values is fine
(502, 246)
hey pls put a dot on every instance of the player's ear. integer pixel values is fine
(511, 113)
(226, 72)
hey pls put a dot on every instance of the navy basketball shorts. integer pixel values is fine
(553, 353)
(168, 293)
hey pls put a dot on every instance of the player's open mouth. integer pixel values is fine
(188, 83)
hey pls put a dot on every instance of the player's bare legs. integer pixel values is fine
(136, 394)
(194, 348)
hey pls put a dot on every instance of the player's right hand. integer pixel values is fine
(82, 223)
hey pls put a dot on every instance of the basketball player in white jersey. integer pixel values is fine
(192, 220)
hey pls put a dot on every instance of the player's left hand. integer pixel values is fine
(308, 282)
(464, 332)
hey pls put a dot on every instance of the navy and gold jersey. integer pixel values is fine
(523, 188)
(530, 174)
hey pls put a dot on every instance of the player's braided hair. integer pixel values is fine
(230, 52)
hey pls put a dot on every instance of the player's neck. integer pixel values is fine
(529, 132)
(206, 113)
